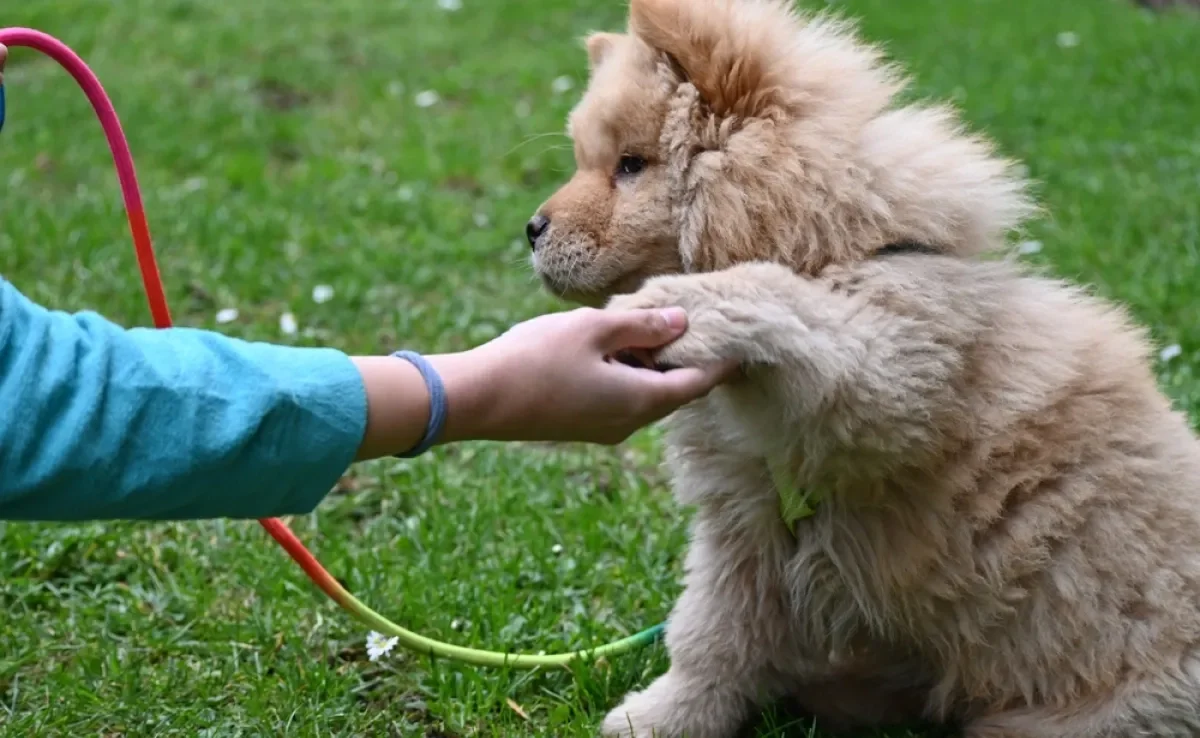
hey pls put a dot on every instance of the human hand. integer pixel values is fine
(553, 378)
(3, 58)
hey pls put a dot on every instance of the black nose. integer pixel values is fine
(536, 226)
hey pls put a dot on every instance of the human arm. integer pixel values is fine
(101, 422)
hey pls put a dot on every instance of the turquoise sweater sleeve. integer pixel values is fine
(102, 422)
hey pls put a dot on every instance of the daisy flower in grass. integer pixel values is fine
(379, 645)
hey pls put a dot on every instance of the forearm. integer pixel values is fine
(398, 402)
(101, 422)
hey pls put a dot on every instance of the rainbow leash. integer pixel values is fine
(156, 297)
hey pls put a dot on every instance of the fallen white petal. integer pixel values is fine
(450, 5)
(1029, 247)
(1171, 352)
(1068, 39)
(427, 98)
(288, 325)
(194, 184)
(322, 293)
(556, 549)
(228, 315)
(562, 84)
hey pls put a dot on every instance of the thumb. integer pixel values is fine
(3, 58)
(644, 328)
(680, 386)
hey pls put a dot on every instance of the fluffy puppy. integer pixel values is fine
(1007, 532)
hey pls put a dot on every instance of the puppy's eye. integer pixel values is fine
(630, 165)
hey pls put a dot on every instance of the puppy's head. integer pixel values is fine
(715, 132)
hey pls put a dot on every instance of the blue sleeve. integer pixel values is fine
(102, 422)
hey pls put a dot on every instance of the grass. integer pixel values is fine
(280, 147)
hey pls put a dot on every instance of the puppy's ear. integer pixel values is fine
(763, 59)
(723, 47)
(599, 46)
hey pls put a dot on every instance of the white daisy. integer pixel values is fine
(379, 645)
(228, 315)
(322, 293)
(288, 325)
(1170, 352)
(1068, 40)
(427, 98)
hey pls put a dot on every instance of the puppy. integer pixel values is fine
(1005, 527)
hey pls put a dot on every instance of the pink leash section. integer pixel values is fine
(122, 157)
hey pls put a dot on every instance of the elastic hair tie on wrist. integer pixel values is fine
(437, 403)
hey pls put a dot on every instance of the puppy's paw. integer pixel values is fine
(716, 329)
(675, 706)
(635, 718)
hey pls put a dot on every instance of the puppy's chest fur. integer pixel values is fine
(862, 571)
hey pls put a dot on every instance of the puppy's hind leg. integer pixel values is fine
(723, 637)
(1162, 709)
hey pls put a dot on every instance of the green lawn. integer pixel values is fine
(281, 147)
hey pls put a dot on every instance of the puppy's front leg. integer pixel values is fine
(728, 636)
(877, 372)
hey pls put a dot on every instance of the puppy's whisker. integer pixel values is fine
(531, 139)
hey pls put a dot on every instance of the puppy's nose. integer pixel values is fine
(536, 226)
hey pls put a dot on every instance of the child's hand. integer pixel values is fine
(553, 379)
(548, 379)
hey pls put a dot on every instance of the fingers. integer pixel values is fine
(3, 58)
(626, 329)
(685, 385)
(678, 387)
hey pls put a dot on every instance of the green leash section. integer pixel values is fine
(795, 504)
(420, 644)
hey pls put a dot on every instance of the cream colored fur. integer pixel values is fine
(1010, 536)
